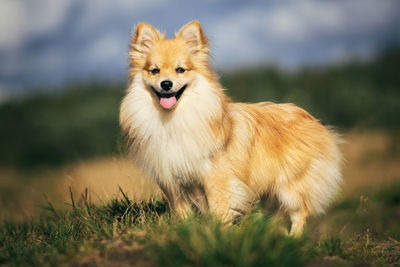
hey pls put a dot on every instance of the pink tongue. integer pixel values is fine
(168, 102)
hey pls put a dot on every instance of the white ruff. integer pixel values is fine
(172, 147)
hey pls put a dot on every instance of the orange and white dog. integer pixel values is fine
(208, 152)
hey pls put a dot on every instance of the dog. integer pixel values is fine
(209, 153)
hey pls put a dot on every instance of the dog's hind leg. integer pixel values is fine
(310, 194)
(228, 197)
(298, 219)
(295, 203)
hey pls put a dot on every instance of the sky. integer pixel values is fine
(51, 42)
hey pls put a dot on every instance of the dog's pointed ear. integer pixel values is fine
(145, 37)
(194, 36)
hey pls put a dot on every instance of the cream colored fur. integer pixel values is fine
(210, 153)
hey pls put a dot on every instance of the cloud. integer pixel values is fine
(296, 32)
(50, 41)
(44, 16)
(11, 14)
(21, 20)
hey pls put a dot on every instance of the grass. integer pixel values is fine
(124, 232)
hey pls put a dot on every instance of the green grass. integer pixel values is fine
(123, 232)
(203, 241)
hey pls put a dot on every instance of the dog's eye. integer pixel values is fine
(180, 70)
(155, 71)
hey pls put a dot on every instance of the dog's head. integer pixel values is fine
(169, 66)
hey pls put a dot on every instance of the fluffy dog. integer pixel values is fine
(208, 152)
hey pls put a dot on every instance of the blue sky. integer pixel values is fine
(50, 42)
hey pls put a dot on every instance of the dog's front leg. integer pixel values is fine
(177, 202)
(182, 208)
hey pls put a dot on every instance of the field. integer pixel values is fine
(104, 212)
(69, 195)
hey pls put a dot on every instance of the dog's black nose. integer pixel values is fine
(166, 85)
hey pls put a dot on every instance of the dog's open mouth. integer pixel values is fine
(168, 100)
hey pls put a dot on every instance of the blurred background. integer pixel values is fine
(63, 72)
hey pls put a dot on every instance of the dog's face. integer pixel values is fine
(169, 66)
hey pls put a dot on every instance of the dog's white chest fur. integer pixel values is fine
(172, 146)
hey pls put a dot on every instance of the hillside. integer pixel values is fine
(82, 121)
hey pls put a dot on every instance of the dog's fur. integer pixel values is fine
(209, 152)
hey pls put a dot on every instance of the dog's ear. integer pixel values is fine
(144, 38)
(194, 36)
